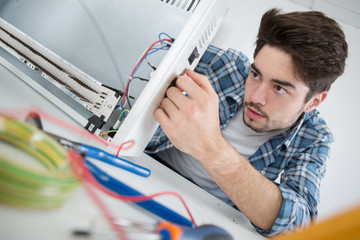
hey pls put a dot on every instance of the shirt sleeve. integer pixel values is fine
(299, 186)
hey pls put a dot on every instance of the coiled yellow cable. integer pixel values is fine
(26, 186)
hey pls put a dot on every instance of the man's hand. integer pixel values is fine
(191, 122)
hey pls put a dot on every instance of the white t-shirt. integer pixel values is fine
(241, 137)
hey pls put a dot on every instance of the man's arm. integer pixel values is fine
(192, 125)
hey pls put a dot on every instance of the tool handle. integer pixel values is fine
(108, 158)
(149, 205)
(206, 232)
(170, 231)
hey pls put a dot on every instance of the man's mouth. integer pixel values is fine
(253, 114)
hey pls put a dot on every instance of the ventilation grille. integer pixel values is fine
(186, 5)
(207, 34)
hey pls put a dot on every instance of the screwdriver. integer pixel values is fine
(160, 231)
(169, 231)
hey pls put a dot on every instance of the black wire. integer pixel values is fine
(142, 79)
(127, 95)
(154, 68)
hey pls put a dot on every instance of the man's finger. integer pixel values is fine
(201, 80)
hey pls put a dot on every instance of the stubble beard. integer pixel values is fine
(270, 125)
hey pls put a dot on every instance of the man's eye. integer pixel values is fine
(280, 90)
(255, 75)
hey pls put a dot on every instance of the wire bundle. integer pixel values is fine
(161, 44)
(164, 45)
(24, 186)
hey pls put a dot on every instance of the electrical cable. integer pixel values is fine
(154, 68)
(123, 112)
(145, 54)
(167, 35)
(25, 186)
(106, 132)
(88, 175)
(50, 188)
(80, 170)
(128, 92)
(128, 88)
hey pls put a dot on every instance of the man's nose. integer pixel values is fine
(259, 95)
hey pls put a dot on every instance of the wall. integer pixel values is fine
(347, 11)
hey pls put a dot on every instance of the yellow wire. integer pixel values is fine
(123, 112)
(23, 186)
(106, 132)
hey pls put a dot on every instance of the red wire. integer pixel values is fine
(139, 198)
(21, 113)
(125, 146)
(91, 179)
(79, 170)
(85, 176)
(142, 57)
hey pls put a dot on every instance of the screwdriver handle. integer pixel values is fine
(206, 232)
(108, 158)
(170, 231)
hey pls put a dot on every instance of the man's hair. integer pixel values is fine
(315, 43)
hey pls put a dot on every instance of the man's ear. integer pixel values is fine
(315, 101)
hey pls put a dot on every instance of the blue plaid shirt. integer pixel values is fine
(299, 154)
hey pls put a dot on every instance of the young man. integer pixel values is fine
(242, 125)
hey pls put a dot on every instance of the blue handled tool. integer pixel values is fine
(34, 119)
(149, 205)
(135, 229)
(169, 231)
(98, 154)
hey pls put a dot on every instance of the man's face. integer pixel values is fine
(274, 98)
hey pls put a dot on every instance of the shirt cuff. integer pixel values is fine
(294, 214)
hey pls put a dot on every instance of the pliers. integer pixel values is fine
(90, 151)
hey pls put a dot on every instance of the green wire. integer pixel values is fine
(22, 134)
(23, 186)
